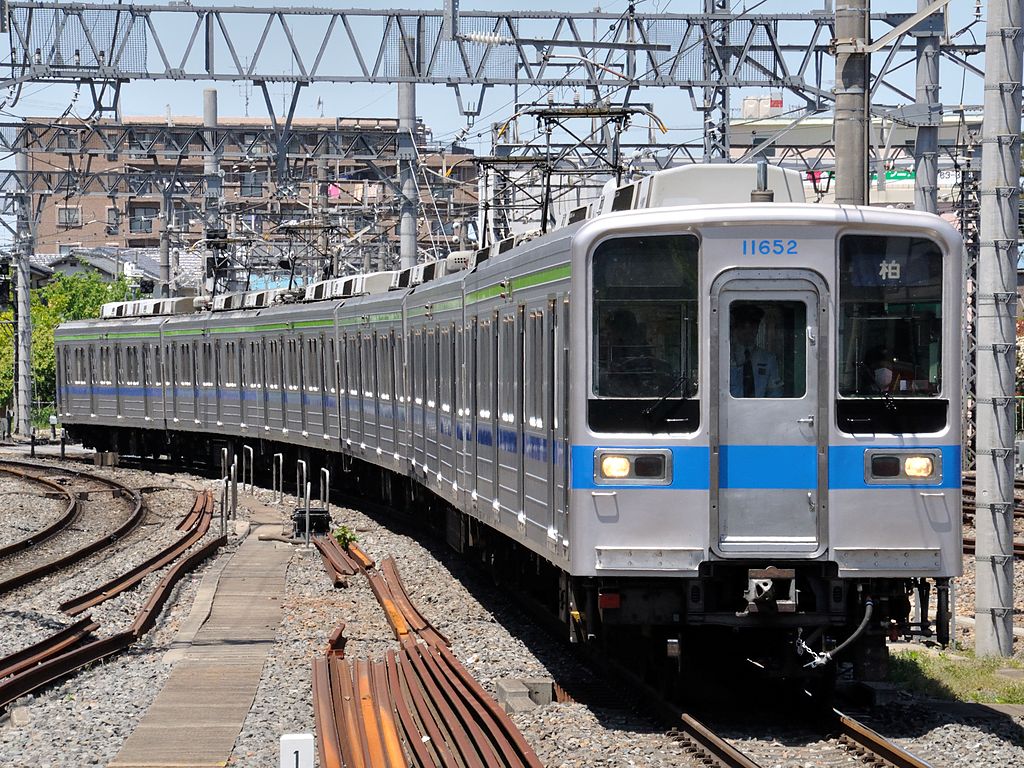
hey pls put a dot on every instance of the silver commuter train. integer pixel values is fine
(723, 424)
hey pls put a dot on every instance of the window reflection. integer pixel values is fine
(645, 317)
(890, 317)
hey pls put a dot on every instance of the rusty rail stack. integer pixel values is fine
(417, 707)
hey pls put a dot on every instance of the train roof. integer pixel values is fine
(692, 190)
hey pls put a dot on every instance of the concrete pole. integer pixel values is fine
(23, 341)
(407, 174)
(167, 213)
(926, 148)
(211, 170)
(851, 109)
(996, 307)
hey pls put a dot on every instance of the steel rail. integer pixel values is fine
(711, 746)
(367, 708)
(337, 561)
(48, 647)
(133, 520)
(128, 579)
(408, 720)
(188, 521)
(347, 713)
(61, 666)
(432, 723)
(364, 561)
(434, 703)
(416, 620)
(858, 736)
(62, 522)
(329, 743)
(503, 737)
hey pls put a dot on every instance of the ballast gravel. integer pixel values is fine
(85, 720)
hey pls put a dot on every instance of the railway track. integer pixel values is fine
(63, 521)
(76, 645)
(61, 549)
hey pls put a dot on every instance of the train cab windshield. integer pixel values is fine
(890, 335)
(644, 335)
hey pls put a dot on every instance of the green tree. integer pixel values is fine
(67, 297)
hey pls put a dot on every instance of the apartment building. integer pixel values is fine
(100, 183)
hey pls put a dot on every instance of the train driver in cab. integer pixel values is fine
(753, 370)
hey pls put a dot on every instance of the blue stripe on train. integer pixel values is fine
(740, 466)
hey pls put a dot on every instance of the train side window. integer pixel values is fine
(230, 364)
(207, 377)
(484, 371)
(185, 367)
(534, 380)
(431, 380)
(292, 365)
(273, 364)
(507, 365)
(80, 367)
(313, 368)
(443, 367)
(331, 367)
(158, 365)
(890, 326)
(383, 366)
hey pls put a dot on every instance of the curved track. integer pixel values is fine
(66, 518)
(60, 549)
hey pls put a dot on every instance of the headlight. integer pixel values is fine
(642, 466)
(885, 466)
(918, 466)
(614, 466)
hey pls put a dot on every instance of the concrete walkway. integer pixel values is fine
(219, 655)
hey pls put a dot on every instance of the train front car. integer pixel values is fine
(766, 439)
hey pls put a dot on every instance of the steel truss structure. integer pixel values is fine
(110, 44)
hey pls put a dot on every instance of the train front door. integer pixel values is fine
(769, 425)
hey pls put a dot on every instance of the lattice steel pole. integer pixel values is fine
(996, 308)
(716, 97)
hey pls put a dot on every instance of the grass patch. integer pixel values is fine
(958, 677)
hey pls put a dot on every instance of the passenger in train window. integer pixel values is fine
(880, 365)
(753, 371)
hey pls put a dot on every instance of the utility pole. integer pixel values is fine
(997, 343)
(851, 108)
(211, 174)
(23, 307)
(167, 215)
(407, 158)
(407, 175)
(322, 216)
(929, 111)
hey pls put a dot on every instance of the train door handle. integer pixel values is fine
(806, 420)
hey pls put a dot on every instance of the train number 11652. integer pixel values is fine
(769, 247)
